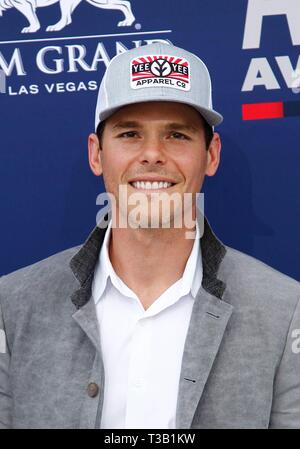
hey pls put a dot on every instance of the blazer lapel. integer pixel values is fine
(86, 318)
(207, 326)
(83, 266)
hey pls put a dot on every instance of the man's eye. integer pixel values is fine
(128, 134)
(179, 136)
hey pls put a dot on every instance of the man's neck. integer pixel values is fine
(149, 260)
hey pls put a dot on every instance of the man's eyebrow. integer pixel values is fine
(183, 127)
(126, 125)
(169, 126)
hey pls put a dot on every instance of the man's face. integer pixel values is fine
(154, 142)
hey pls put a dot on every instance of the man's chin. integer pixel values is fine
(148, 220)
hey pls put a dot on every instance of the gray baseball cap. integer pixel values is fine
(156, 72)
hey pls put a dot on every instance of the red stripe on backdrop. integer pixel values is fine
(259, 111)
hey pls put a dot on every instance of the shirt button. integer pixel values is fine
(92, 390)
(138, 383)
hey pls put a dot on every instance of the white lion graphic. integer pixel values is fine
(28, 9)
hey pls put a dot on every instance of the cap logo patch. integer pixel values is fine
(160, 70)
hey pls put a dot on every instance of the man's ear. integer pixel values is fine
(95, 154)
(213, 155)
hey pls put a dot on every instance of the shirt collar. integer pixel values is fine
(103, 267)
(189, 282)
(192, 275)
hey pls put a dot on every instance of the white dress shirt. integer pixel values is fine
(142, 349)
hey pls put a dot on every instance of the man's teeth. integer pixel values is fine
(151, 185)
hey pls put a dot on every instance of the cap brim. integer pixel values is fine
(211, 116)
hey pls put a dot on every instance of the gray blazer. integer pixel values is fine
(240, 367)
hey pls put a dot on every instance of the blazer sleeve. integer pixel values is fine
(5, 393)
(285, 413)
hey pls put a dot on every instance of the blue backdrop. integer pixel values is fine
(48, 194)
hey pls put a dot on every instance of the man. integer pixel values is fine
(144, 326)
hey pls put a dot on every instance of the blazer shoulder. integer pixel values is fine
(35, 277)
(266, 302)
(248, 275)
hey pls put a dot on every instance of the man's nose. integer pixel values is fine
(152, 151)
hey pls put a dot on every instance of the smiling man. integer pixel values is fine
(143, 326)
(153, 148)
